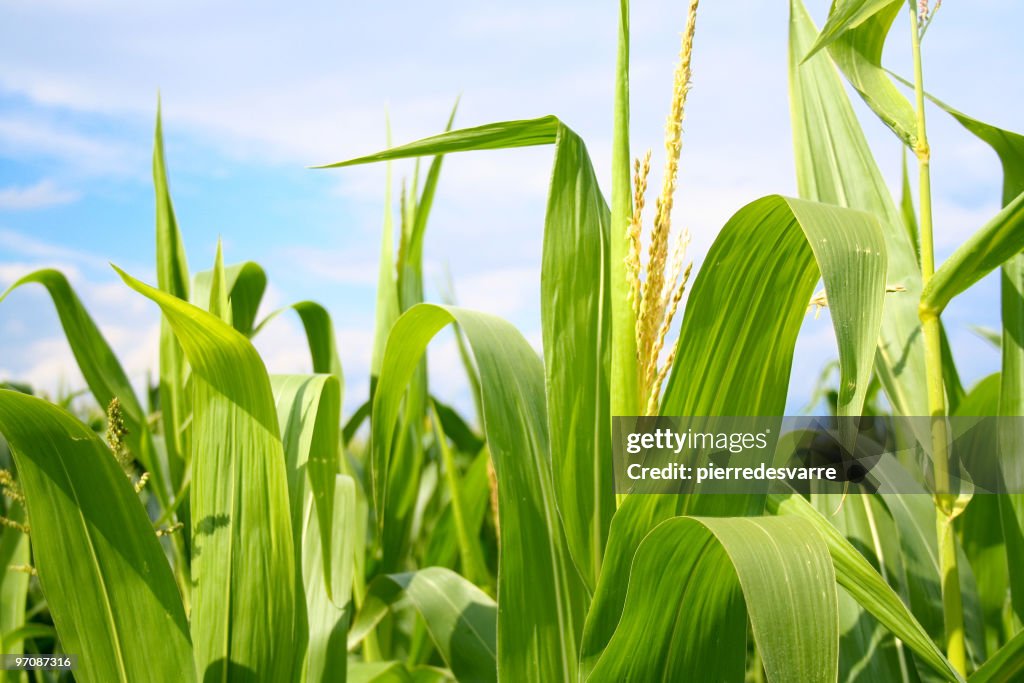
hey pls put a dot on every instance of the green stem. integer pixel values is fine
(952, 604)
(625, 387)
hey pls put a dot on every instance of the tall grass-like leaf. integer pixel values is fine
(860, 579)
(247, 616)
(540, 596)
(172, 277)
(107, 583)
(100, 368)
(575, 317)
(460, 618)
(834, 165)
(703, 577)
(386, 311)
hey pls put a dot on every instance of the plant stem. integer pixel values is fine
(952, 606)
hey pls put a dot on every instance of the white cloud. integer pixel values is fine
(47, 252)
(90, 154)
(40, 195)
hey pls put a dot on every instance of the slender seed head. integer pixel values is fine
(12, 524)
(659, 294)
(10, 487)
(116, 433)
(633, 267)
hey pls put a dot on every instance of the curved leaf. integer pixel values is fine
(536, 637)
(247, 607)
(100, 368)
(845, 15)
(834, 165)
(858, 54)
(706, 575)
(857, 576)
(770, 254)
(116, 604)
(460, 617)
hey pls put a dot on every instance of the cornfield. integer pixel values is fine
(232, 526)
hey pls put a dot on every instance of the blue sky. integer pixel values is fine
(253, 94)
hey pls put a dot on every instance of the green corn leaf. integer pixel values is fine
(100, 368)
(858, 54)
(1005, 666)
(171, 262)
(536, 637)
(413, 263)
(575, 318)
(245, 284)
(247, 605)
(173, 278)
(997, 242)
(460, 618)
(116, 605)
(771, 254)
(834, 165)
(859, 578)
(386, 311)
(706, 575)
(309, 414)
(327, 575)
(524, 133)
(217, 291)
(846, 15)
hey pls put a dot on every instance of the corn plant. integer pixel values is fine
(276, 554)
